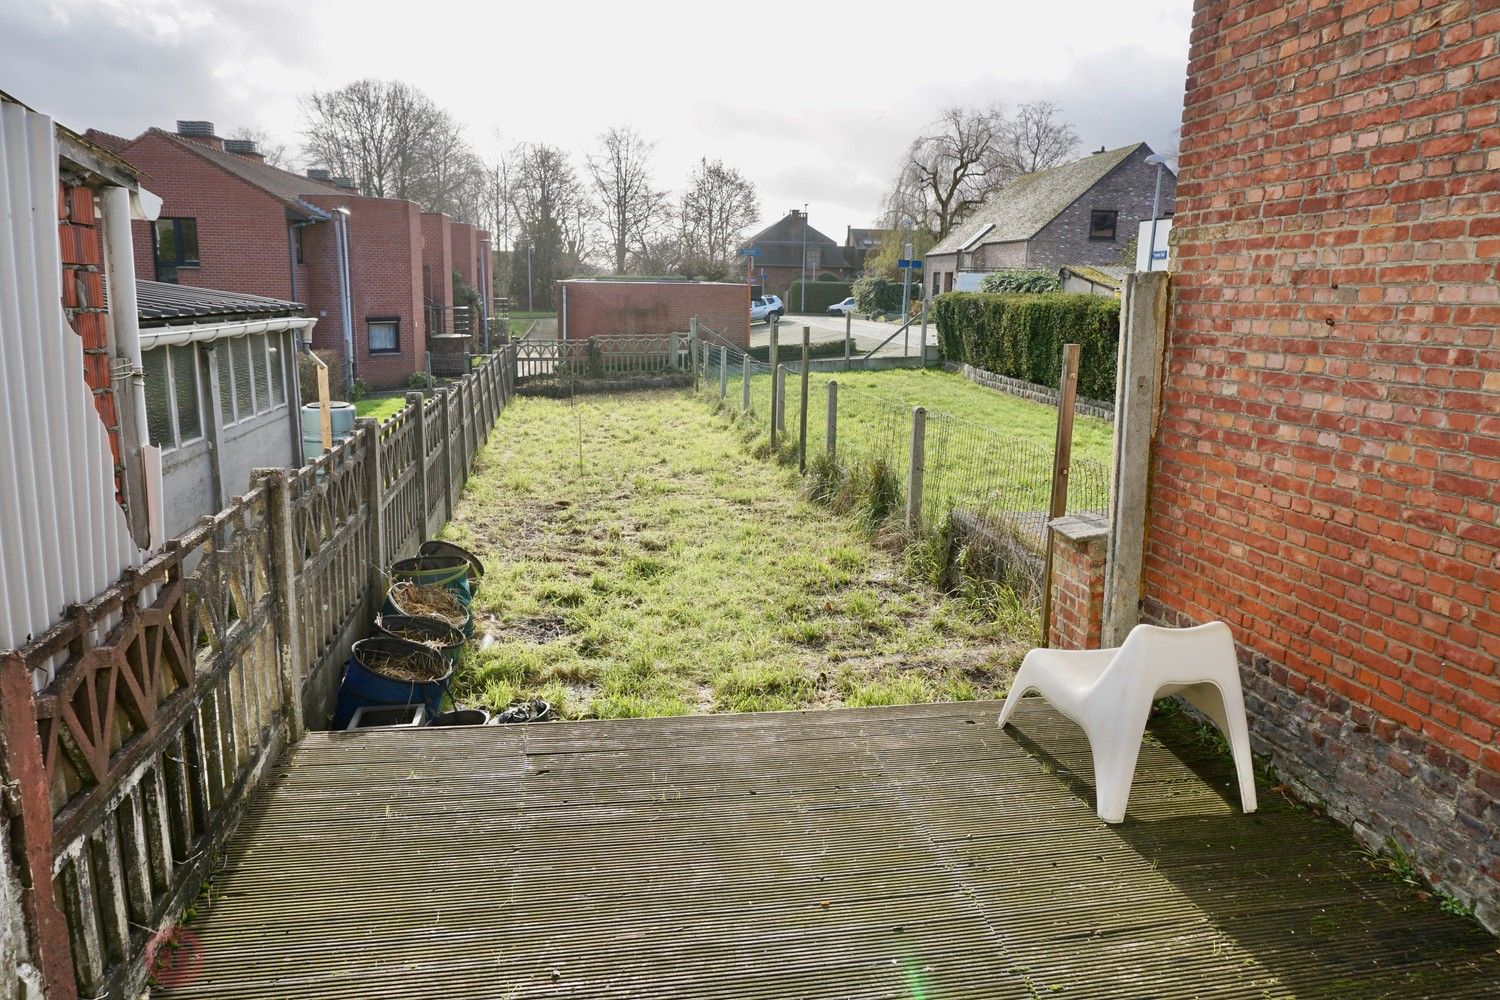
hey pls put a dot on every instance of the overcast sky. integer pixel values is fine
(814, 102)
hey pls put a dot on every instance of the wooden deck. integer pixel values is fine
(913, 852)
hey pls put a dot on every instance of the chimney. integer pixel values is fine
(200, 132)
(319, 174)
(245, 148)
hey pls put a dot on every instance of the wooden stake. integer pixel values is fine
(325, 415)
(915, 472)
(831, 435)
(802, 420)
(1062, 461)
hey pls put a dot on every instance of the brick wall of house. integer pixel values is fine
(604, 308)
(1327, 479)
(437, 259)
(83, 300)
(242, 231)
(385, 274)
(466, 251)
(1129, 190)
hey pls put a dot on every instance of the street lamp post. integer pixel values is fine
(529, 306)
(906, 273)
(1160, 162)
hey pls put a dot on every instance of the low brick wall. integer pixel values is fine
(1096, 408)
(1080, 544)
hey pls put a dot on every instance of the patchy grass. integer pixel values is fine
(520, 322)
(380, 407)
(641, 563)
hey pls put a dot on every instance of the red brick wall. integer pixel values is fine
(82, 240)
(1328, 474)
(385, 272)
(242, 231)
(603, 308)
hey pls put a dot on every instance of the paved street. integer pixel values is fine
(867, 334)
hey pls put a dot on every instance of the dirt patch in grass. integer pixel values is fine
(668, 572)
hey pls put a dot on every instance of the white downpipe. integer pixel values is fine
(124, 309)
(341, 239)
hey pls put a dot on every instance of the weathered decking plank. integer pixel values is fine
(899, 852)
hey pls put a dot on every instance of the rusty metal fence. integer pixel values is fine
(176, 689)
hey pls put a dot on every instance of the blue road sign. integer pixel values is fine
(904, 264)
(750, 252)
(1158, 255)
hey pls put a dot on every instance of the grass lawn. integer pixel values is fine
(985, 449)
(380, 407)
(656, 569)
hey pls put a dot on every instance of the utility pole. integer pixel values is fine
(803, 306)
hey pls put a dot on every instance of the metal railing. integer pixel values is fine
(176, 689)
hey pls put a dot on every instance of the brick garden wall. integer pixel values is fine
(607, 308)
(1328, 473)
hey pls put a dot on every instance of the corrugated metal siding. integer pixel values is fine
(63, 536)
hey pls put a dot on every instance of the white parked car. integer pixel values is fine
(767, 307)
(843, 308)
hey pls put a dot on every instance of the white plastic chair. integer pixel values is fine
(1109, 693)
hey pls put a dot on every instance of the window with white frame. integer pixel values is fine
(173, 409)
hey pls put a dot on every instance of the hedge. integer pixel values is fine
(1022, 336)
(820, 295)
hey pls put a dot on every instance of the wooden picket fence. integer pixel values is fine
(176, 689)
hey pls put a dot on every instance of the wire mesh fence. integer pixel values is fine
(982, 492)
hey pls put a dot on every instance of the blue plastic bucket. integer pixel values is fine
(364, 684)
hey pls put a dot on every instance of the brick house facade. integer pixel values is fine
(1327, 473)
(271, 232)
(1047, 220)
(782, 245)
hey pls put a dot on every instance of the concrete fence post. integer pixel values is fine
(419, 428)
(283, 546)
(781, 398)
(831, 432)
(447, 463)
(693, 349)
(848, 338)
(380, 554)
(1143, 327)
(723, 371)
(917, 468)
(29, 814)
(772, 360)
(745, 383)
(674, 349)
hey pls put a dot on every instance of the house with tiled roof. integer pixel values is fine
(375, 273)
(860, 243)
(1078, 213)
(789, 248)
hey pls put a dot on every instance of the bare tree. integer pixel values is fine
(275, 152)
(628, 204)
(550, 210)
(718, 205)
(1037, 138)
(393, 140)
(951, 168)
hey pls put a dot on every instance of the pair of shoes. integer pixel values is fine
(535, 710)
